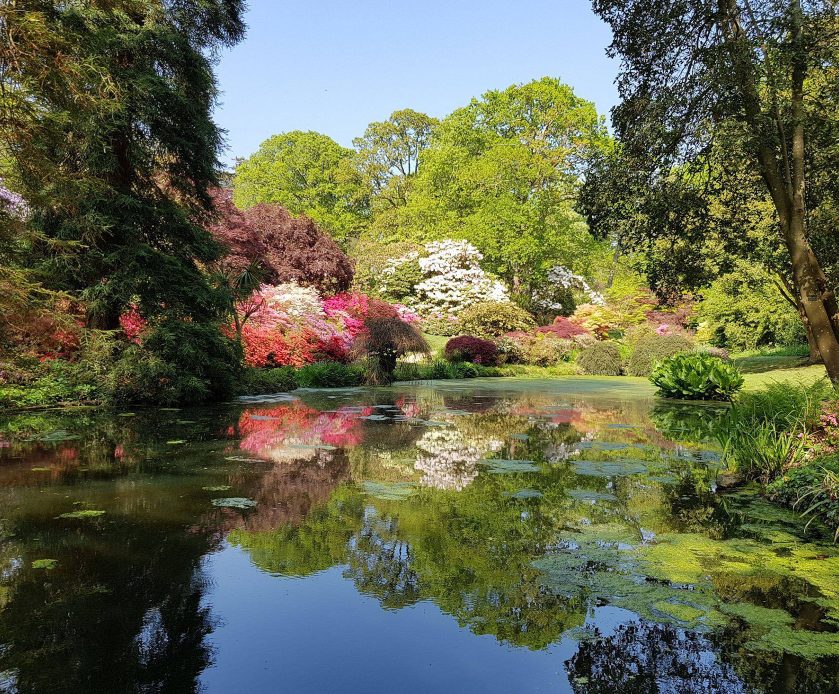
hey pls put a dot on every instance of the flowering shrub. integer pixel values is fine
(132, 324)
(449, 279)
(290, 325)
(12, 203)
(472, 349)
(561, 283)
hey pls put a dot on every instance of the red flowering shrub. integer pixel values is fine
(472, 349)
(562, 328)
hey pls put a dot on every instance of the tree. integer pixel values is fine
(763, 71)
(285, 248)
(307, 173)
(389, 154)
(502, 173)
(105, 118)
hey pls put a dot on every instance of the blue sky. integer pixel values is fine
(334, 66)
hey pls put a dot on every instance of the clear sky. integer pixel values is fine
(336, 65)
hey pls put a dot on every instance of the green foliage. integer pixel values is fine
(601, 359)
(177, 363)
(744, 310)
(491, 319)
(307, 173)
(264, 381)
(440, 369)
(696, 377)
(813, 489)
(764, 431)
(117, 204)
(503, 171)
(651, 349)
(55, 381)
(327, 374)
(371, 257)
(546, 350)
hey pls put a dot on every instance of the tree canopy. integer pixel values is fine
(106, 128)
(307, 173)
(718, 93)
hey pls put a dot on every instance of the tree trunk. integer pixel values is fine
(815, 356)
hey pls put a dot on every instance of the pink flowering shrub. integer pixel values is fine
(562, 328)
(132, 324)
(290, 325)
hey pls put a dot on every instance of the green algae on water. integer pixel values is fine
(389, 491)
(47, 564)
(85, 513)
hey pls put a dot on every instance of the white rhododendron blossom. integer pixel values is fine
(293, 300)
(562, 278)
(448, 460)
(452, 279)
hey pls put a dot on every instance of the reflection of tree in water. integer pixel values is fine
(288, 492)
(645, 657)
(380, 562)
(120, 612)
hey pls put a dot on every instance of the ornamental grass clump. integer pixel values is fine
(696, 377)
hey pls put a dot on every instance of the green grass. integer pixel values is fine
(437, 343)
(797, 376)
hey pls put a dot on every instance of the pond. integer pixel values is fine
(492, 536)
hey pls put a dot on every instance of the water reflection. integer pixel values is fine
(544, 517)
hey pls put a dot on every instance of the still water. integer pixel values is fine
(480, 536)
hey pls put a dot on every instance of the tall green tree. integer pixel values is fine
(105, 119)
(307, 173)
(764, 70)
(503, 173)
(389, 154)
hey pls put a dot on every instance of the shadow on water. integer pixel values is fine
(574, 524)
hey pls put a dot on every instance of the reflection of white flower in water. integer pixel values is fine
(564, 451)
(448, 460)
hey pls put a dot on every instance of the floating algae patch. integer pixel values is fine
(680, 611)
(48, 564)
(237, 502)
(774, 630)
(175, 442)
(504, 467)
(41, 469)
(85, 513)
(389, 491)
(243, 459)
(217, 488)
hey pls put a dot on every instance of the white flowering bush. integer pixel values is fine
(452, 279)
(560, 282)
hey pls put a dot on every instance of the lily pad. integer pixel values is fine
(217, 488)
(503, 467)
(85, 513)
(608, 468)
(524, 494)
(47, 564)
(238, 502)
(40, 469)
(175, 442)
(389, 491)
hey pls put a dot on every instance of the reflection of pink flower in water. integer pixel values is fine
(274, 432)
